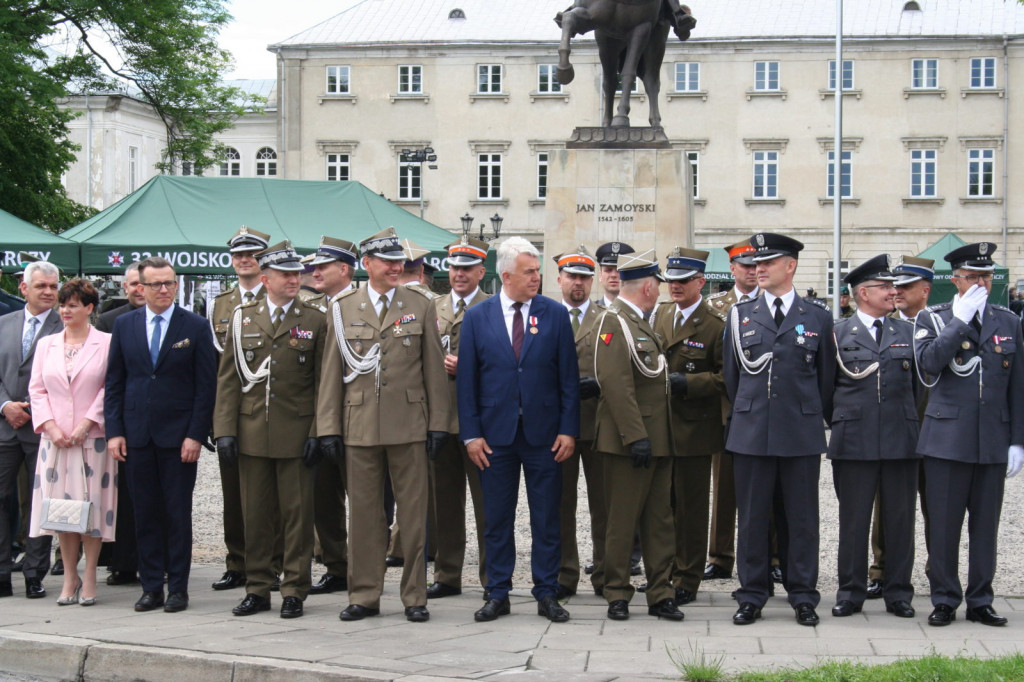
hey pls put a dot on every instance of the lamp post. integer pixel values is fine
(420, 156)
(496, 221)
(467, 224)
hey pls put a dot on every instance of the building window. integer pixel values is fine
(922, 173)
(410, 185)
(542, 175)
(845, 175)
(133, 169)
(924, 74)
(410, 79)
(636, 86)
(766, 175)
(687, 76)
(488, 79)
(338, 167)
(488, 176)
(844, 270)
(232, 163)
(766, 75)
(847, 74)
(981, 172)
(337, 80)
(266, 162)
(547, 81)
(983, 72)
(694, 159)
(188, 168)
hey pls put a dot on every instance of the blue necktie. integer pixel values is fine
(29, 337)
(154, 343)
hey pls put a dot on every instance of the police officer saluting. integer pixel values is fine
(266, 394)
(970, 354)
(874, 436)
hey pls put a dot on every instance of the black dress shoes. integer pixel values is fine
(986, 615)
(746, 614)
(58, 567)
(252, 604)
(716, 572)
(635, 568)
(552, 610)
(123, 578)
(942, 615)
(684, 597)
(806, 615)
(417, 614)
(619, 610)
(5, 589)
(34, 588)
(393, 561)
(276, 585)
(149, 601)
(291, 607)
(666, 609)
(330, 583)
(845, 608)
(358, 612)
(564, 592)
(598, 590)
(901, 609)
(439, 590)
(589, 568)
(875, 589)
(777, 575)
(229, 581)
(176, 601)
(491, 610)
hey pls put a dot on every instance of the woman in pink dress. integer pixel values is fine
(66, 392)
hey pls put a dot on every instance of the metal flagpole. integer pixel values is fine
(837, 165)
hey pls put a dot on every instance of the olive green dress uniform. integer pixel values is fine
(694, 349)
(453, 469)
(634, 406)
(384, 417)
(272, 422)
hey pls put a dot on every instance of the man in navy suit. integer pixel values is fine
(160, 390)
(518, 396)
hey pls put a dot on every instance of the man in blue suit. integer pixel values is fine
(518, 396)
(160, 389)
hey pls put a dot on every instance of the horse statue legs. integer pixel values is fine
(573, 22)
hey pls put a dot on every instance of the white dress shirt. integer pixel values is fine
(150, 326)
(509, 312)
(787, 301)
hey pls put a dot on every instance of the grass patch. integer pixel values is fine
(931, 668)
(697, 666)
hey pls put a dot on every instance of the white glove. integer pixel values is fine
(967, 305)
(1014, 460)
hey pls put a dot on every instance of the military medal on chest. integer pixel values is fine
(533, 325)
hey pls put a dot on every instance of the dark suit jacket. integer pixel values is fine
(105, 322)
(168, 403)
(493, 389)
(15, 372)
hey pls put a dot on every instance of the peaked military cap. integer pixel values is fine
(414, 253)
(637, 265)
(332, 249)
(467, 251)
(608, 254)
(877, 268)
(385, 244)
(741, 252)
(769, 246)
(248, 239)
(685, 263)
(280, 256)
(577, 262)
(911, 269)
(976, 257)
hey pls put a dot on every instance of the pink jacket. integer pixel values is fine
(67, 403)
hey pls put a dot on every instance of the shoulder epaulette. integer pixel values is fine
(422, 291)
(1002, 307)
(938, 306)
(718, 294)
(315, 303)
(226, 292)
(818, 302)
(249, 304)
(717, 312)
(346, 294)
(747, 302)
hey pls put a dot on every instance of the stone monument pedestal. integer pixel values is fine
(616, 184)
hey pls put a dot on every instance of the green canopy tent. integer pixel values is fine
(717, 270)
(188, 220)
(16, 236)
(943, 288)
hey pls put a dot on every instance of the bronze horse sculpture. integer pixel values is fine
(631, 37)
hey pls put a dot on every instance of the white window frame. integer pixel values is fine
(341, 75)
(489, 79)
(766, 174)
(488, 176)
(547, 79)
(983, 73)
(693, 157)
(845, 174)
(848, 81)
(981, 164)
(338, 164)
(844, 270)
(266, 162)
(687, 76)
(766, 76)
(924, 73)
(188, 168)
(231, 164)
(410, 181)
(410, 79)
(924, 173)
(133, 168)
(543, 165)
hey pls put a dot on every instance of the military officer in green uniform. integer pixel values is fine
(691, 331)
(634, 439)
(385, 392)
(264, 418)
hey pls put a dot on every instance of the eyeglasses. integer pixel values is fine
(882, 285)
(974, 279)
(160, 286)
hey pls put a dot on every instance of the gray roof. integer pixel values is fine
(427, 21)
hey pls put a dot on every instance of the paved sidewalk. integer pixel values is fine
(109, 641)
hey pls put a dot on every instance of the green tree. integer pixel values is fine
(162, 51)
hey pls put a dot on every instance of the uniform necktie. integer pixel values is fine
(383, 308)
(154, 343)
(29, 337)
(575, 313)
(249, 296)
(976, 323)
(877, 331)
(678, 320)
(779, 315)
(460, 307)
(744, 298)
(517, 329)
(278, 317)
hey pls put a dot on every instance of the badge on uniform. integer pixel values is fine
(407, 341)
(690, 367)
(250, 356)
(606, 338)
(533, 325)
(746, 321)
(906, 364)
(921, 333)
(750, 333)
(246, 321)
(302, 358)
(801, 340)
(358, 347)
(406, 319)
(966, 345)
(694, 344)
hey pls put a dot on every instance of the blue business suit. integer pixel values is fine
(155, 409)
(519, 408)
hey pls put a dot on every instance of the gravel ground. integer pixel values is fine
(208, 544)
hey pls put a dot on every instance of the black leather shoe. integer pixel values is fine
(564, 592)
(684, 597)
(276, 585)
(252, 604)
(619, 610)
(641, 588)
(777, 575)
(942, 615)
(393, 561)
(666, 609)
(986, 615)
(417, 614)
(487, 595)
(229, 581)
(875, 589)
(149, 601)
(901, 609)
(34, 588)
(806, 615)
(440, 590)
(58, 567)
(291, 607)
(330, 583)
(122, 578)
(5, 589)
(746, 614)
(176, 601)
(634, 568)
(598, 590)
(589, 568)
(358, 612)
(845, 608)
(716, 572)
(492, 609)
(552, 610)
